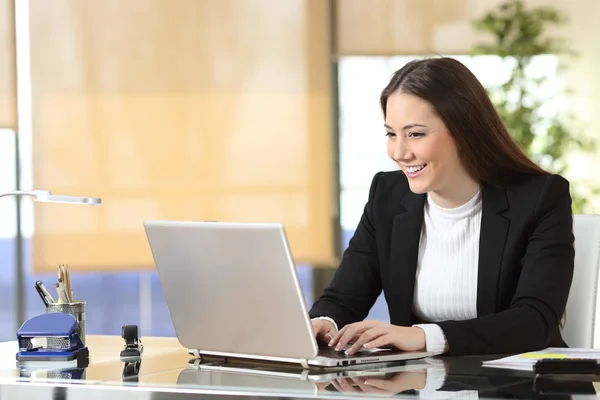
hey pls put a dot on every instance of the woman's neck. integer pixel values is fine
(456, 194)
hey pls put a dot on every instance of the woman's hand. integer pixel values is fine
(372, 334)
(324, 330)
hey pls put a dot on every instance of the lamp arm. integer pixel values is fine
(25, 193)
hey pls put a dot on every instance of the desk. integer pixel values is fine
(168, 371)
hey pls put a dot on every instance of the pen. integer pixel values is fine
(41, 288)
(567, 366)
(41, 293)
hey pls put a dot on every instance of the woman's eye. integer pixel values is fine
(416, 134)
(390, 134)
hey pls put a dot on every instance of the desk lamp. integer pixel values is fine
(41, 196)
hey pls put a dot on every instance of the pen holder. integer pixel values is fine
(76, 309)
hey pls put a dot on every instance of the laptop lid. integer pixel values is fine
(232, 288)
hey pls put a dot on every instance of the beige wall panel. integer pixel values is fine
(8, 96)
(386, 27)
(406, 27)
(185, 110)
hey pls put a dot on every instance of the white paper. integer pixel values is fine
(526, 361)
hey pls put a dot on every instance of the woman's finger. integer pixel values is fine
(349, 333)
(366, 337)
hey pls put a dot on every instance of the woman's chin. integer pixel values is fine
(417, 188)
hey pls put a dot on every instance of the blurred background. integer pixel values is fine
(247, 110)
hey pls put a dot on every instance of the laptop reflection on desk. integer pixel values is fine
(243, 375)
(232, 291)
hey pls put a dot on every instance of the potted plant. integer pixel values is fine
(520, 36)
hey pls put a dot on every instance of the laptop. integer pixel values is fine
(232, 291)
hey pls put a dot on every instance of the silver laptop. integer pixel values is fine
(232, 291)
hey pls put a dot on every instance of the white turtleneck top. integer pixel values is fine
(446, 280)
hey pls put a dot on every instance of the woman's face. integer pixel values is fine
(419, 142)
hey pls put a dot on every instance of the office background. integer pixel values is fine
(248, 110)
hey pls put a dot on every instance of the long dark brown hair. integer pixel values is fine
(486, 149)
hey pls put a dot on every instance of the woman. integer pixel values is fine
(471, 242)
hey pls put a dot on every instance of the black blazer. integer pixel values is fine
(526, 260)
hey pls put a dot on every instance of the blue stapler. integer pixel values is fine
(62, 340)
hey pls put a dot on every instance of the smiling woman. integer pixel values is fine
(362, 143)
(471, 243)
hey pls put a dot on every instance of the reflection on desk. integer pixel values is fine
(166, 370)
(292, 379)
(431, 377)
(105, 363)
(54, 372)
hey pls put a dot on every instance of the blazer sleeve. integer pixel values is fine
(357, 282)
(532, 321)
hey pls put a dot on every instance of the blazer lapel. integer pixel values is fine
(492, 239)
(404, 250)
